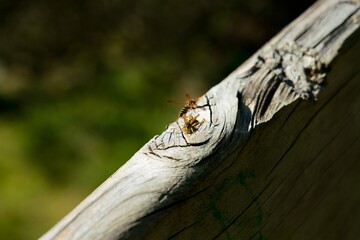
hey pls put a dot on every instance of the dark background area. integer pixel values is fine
(85, 84)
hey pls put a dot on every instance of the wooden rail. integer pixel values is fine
(270, 152)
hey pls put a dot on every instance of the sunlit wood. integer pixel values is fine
(276, 155)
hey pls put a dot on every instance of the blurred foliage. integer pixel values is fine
(84, 84)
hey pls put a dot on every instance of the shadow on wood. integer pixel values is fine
(260, 161)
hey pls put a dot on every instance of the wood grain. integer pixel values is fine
(275, 156)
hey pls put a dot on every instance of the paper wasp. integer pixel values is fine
(191, 124)
(189, 104)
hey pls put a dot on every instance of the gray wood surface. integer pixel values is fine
(274, 154)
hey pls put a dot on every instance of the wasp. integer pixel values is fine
(191, 124)
(189, 104)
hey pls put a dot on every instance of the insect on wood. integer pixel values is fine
(191, 124)
(190, 103)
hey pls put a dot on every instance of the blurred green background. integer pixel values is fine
(85, 84)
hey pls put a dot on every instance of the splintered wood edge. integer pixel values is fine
(292, 66)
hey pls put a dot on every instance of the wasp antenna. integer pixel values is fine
(175, 102)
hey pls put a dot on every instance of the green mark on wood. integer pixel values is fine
(223, 214)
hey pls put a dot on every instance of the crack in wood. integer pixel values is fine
(274, 210)
(241, 213)
(308, 123)
(177, 171)
(293, 72)
(312, 210)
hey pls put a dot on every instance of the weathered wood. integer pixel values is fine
(240, 175)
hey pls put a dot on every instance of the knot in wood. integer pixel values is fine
(192, 129)
(298, 66)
